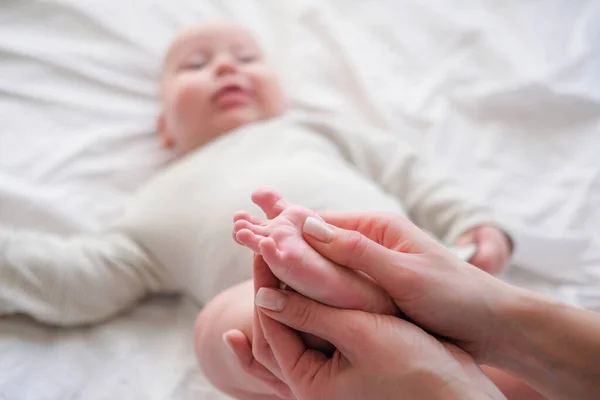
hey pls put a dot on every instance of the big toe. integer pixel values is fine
(270, 201)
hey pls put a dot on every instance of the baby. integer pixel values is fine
(225, 115)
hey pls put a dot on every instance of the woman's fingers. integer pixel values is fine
(345, 247)
(240, 346)
(261, 350)
(276, 342)
(354, 250)
(356, 221)
(263, 277)
(295, 360)
(386, 229)
(337, 326)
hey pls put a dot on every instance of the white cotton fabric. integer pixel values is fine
(504, 95)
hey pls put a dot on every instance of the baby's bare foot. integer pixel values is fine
(279, 240)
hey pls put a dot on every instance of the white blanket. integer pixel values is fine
(503, 93)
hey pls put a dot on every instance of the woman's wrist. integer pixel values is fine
(514, 311)
(548, 344)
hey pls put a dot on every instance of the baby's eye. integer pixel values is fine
(196, 63)
(247, 58)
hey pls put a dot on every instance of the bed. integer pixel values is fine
(503, 94)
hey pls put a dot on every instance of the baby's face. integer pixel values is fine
(215, 79)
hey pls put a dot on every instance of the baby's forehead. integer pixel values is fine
(208, 34)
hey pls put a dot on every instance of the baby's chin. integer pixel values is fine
(236, 118)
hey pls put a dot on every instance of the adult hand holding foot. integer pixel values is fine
(376, 357)
(555, 348)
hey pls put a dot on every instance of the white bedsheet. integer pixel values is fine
(504, 93)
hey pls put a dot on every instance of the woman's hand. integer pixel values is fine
(256, 358)
(431, 286)
(494, 248)
(377, 356)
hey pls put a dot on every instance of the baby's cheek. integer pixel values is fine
(271, 97)
(190, 99)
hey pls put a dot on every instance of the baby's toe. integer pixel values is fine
(270, 252)
(243, 215)
(271, 202)
(297, 215)
(249, 239)
(243, 224)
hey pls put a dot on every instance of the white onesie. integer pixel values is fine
(176, 235)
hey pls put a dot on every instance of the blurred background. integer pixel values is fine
(503, 94)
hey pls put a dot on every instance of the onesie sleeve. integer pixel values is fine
(73, 280)
(431, 198)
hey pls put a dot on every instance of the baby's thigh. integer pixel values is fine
(231, 309)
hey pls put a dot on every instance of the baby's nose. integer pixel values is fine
(225, 66)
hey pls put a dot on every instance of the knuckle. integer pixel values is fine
(356, 243)
(304, 315)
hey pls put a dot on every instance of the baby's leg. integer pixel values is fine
(279, 239)
(232, 309)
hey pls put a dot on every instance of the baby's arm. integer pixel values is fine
(231, 309)
(73, 280)
(432, 199)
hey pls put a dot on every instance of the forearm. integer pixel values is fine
(554, 347)
(70, 281)
(432, 199)
(436, 203)
(232, 309)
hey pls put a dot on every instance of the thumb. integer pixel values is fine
(354, 250)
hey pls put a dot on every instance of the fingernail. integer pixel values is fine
(271, 299)
(227, 343)
(318, 229)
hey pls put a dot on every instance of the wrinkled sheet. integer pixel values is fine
(505, 94)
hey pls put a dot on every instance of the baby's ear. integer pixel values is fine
(166, 140)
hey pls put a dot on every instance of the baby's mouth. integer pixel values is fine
(231, 95)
